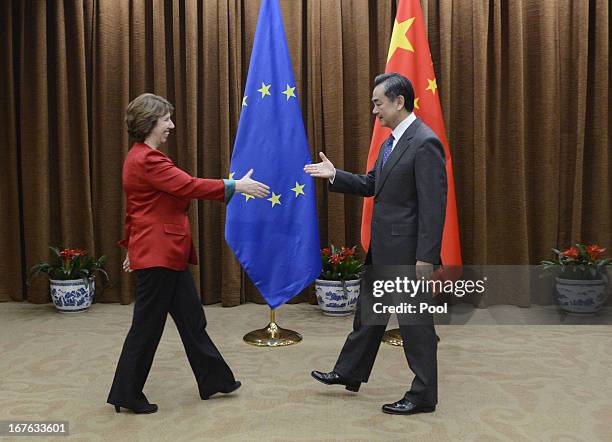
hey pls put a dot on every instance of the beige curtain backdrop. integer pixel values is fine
(524, 86)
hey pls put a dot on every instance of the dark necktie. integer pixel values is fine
(388, 148)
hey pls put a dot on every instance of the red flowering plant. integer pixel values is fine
(70, 264)
(340, 264)
(579, 262)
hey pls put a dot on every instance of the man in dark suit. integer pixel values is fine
(408, 183)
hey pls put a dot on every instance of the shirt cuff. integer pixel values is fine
(331, 180)
(230, 188)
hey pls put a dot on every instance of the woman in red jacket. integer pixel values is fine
(159, 244)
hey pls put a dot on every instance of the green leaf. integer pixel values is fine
(56, 251)
(104, 273)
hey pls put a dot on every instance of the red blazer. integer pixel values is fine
(157, 231)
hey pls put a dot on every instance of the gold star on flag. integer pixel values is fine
(399, 39)
(244, 103)
(416, 103)
(231, 175)
(289, 92)
(275, 199)
(265, 89)
(432, 86)
(247, 197)
(298, 189)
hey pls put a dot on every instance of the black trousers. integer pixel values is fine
(420, 348)
(160, 291)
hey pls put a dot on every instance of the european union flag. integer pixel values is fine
(276, 240)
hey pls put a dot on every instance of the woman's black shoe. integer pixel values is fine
(235, 386)
(147, 409)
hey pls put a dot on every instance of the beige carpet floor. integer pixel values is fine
(497, 383)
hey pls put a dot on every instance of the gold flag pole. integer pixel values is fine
(272, 335)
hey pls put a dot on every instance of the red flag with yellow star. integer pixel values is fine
(409, 55)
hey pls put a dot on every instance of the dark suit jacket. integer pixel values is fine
(409, 198)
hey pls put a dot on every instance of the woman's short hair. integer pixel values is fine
(142, 113)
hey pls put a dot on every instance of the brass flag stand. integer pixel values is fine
(272, 335)
(394, 337)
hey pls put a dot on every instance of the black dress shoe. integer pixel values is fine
(235, 386)
(145, 409)
(406, 407)
(333, 378)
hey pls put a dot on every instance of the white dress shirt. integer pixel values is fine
(397, 134)
(401, 128)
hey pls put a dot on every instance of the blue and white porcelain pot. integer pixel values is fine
(72, 295)
(337, 298)
(581, 297)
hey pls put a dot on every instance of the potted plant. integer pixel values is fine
(71, 275)
(337, 287)
(581, 278)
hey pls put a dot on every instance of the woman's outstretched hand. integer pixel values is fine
(252, 187)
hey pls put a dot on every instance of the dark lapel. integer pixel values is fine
(401, 147)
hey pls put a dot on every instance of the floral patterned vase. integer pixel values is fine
(337, 298)
(72, 295)
(583, 297)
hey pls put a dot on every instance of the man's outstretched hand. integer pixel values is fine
(324, 169)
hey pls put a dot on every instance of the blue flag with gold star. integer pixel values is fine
(276, 239)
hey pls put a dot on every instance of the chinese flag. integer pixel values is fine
(409, 55)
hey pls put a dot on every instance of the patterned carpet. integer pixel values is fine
(497, 383)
